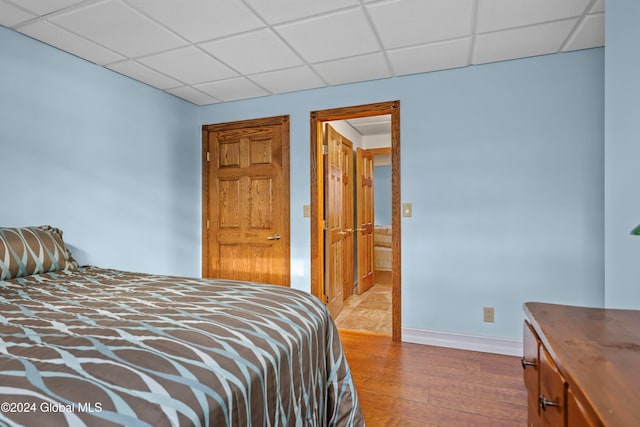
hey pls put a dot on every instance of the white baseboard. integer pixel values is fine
(509, 347)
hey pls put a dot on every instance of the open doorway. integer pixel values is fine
(320, 258)
(366, 295)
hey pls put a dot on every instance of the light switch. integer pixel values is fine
(407, 209)
(306, 211)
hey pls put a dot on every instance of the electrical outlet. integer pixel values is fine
(488, 314)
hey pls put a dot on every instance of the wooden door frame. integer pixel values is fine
(283, 121)
(317, 198)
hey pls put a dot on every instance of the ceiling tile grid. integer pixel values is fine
(210, 51)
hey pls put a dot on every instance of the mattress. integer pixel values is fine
(95, 346)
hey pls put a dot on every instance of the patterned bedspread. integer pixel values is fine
(104, 347)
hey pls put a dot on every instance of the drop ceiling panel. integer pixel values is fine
(589, 33)
(11, 15)
(189, 65)
(192, 95)
(279, 11)
(374, 125)
(69, 42)
(331, 36)
(115, 26)
(41, 7)
(232, 89)
(257, 47)
(598, 7)
(501, 14)
(430, 57)
(409, 22)
(348, 70)
(201, 19)
(254, 52)
(289, 80)
(530, 41)
(145, 74)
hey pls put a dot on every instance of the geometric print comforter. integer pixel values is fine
(101, 347)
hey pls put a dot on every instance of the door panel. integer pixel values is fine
(335, 222)
(348, 250)
(246, 201)
(365, 219)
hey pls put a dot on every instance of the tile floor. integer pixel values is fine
(369, 312)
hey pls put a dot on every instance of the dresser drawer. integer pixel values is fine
(530, 373)
(551, 400)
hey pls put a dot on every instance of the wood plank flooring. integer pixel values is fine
(403, 384)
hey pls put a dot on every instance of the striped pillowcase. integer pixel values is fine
(33, 250)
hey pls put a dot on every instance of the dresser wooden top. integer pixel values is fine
(598, 352)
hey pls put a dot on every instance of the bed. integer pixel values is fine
(94, 346)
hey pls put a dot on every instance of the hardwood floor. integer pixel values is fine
(403, 384)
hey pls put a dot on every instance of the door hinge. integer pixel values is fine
(325, 226)
(207, 156)
(325, 150)
(207, 224)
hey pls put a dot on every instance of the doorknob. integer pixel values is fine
(274, 237)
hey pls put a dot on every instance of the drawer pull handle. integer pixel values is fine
(544, 403)
(274, 237)
(526, 363)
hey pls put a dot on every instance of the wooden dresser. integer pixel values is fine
(581, 366)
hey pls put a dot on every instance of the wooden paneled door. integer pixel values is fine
(349, 244)
(246, 200)
(339, 274)
(365, 219)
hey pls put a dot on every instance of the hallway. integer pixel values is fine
(369, 312)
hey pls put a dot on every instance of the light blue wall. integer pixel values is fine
(382, 195)
(622, 154)
(114, 163)
(506, 183)
(503, 164)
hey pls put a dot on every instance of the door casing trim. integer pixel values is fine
(317, 198)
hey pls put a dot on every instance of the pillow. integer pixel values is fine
(33, 250)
